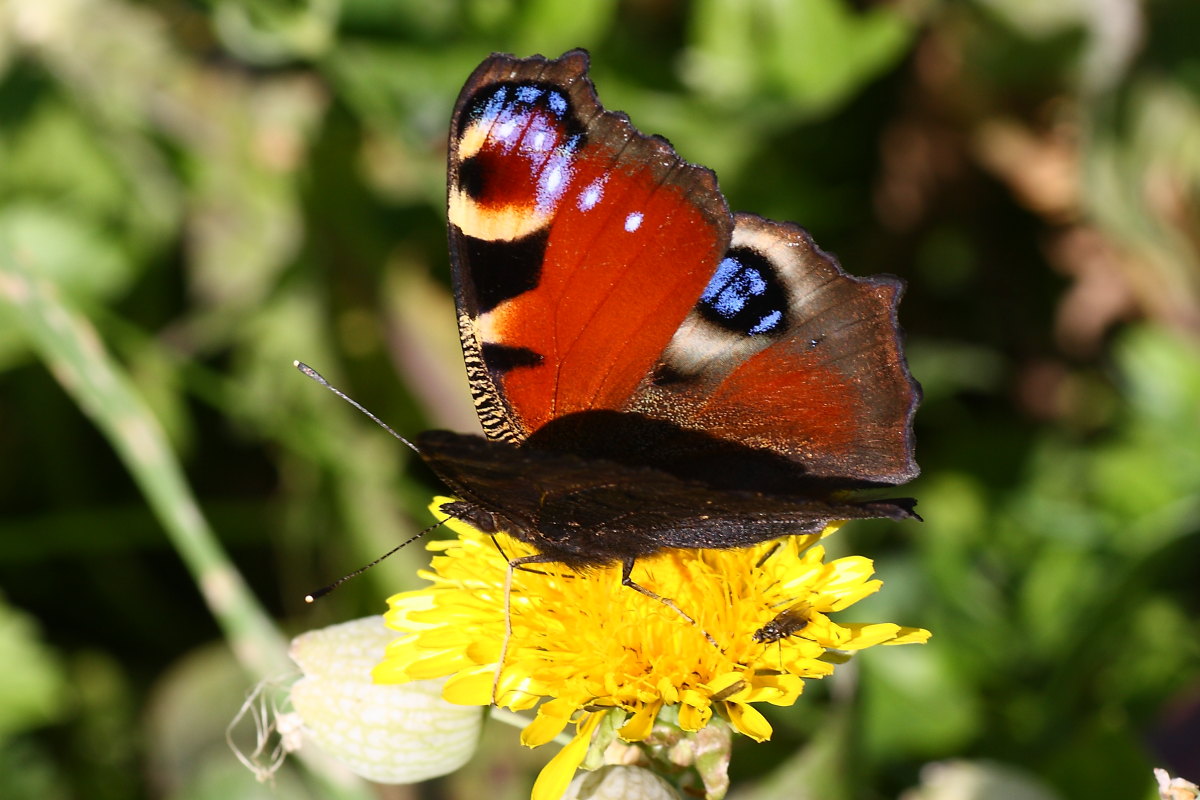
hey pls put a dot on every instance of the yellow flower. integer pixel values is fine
(583, 645)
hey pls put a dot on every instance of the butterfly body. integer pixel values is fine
(591, 512)
(650, 370)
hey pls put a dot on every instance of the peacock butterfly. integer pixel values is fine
(650, 370)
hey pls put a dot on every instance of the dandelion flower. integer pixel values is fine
(583, 646)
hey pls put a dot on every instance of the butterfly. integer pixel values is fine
(650, 370)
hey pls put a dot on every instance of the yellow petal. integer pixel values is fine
(433, 666)
(552, 716)
(721, 683)
(693, 718)
(640, 724)
(848, 597)
(554, 778)
(863, 636)
(390, 672)
(747, 720)
(911, 636)
(471, 687)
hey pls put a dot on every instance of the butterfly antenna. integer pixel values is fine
(316, 376)
(319, 593)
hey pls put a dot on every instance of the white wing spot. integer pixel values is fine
(505, 130)
(591, 195)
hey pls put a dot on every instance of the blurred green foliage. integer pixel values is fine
(192, 194)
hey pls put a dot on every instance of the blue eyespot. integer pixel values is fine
(745, 295)
(487, 111)
(528, 94)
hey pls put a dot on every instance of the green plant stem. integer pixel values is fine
(75, 354)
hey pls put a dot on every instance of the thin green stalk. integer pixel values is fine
(75, 354)
(73, 351)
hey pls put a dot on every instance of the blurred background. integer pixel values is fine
(193, 193)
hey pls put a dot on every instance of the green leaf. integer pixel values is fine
(33, 691)
(815, 53)
(78, 257)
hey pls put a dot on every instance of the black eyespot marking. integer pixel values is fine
(502, 270)
(745, 295)
(504, 358)
(472, 177)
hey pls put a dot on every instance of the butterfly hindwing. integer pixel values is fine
(787, 353)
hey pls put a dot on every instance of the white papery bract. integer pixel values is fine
(616, 782)
(387, 734)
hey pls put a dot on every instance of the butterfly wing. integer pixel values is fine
(590, 512)
(578, 244)
(787, 353)
(594, 269)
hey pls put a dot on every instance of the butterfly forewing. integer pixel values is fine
(579, 244)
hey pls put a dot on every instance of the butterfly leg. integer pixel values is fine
(500, 549)
(513, 565)
(627, 580)
(508, 575)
